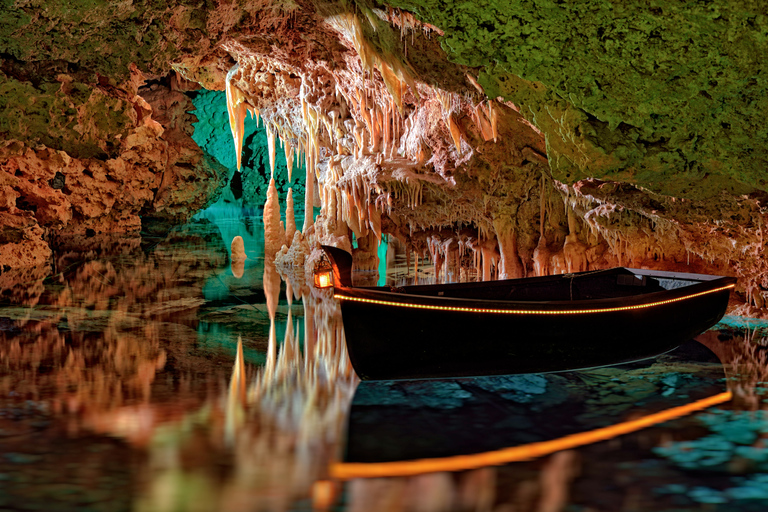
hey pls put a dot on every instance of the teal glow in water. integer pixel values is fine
(382, 253)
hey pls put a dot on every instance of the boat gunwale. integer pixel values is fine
(388, 298)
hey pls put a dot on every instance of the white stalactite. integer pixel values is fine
(237, 109)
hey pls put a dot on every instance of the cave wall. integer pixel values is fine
(540, 136)
(109, 160)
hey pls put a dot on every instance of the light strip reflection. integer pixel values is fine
(528, 311)
(350, 470)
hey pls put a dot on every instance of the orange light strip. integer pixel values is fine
(350, 470)
(527, 311)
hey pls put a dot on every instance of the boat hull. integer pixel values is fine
(389, 337)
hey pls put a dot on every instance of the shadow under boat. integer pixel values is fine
(405, 427)
(538, 324)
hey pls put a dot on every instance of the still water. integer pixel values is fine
(152, 374)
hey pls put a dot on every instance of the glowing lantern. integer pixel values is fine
(323, 274)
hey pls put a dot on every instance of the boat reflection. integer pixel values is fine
(439, 419)
(432, 429)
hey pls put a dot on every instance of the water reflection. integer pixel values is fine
(156, 375)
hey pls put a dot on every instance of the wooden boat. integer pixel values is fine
(531, 325)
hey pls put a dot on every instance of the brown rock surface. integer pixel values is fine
(152, 169)
(396, 130)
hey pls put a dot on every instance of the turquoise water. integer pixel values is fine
(121, 388)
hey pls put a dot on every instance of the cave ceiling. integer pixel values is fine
(543, 135)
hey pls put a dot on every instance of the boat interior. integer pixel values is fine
(601, 284)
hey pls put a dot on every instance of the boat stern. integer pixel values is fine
(338, 272)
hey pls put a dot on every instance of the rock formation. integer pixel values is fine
(538, 136)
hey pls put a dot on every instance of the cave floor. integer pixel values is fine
(123, 386)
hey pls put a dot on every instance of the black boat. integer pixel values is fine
(531, 325)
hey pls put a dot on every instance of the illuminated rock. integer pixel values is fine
(437, 119)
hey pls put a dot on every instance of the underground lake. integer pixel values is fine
(167, 373)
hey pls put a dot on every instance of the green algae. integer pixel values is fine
(81, 121)
(641, 93)
(104, 37)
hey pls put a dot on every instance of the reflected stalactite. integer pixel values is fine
(93, 353)
(235, 413)
(296, 405)
(250, 436)
(271, 282)
(470, 490)
(745, 361)
(555, 479)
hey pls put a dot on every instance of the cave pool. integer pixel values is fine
(143, 374)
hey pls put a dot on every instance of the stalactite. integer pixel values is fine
(237, 109)
(437, 258)
(271, 147)
(455, 132)
(309, 195)
(374, 221)
(493, 117)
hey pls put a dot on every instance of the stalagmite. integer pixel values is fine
(490, 258)
(541, 254)
(238, 257)
(510, 265)
(290, 219)
(450, 250)
(237, 109)
(574, 250)
(274, 233)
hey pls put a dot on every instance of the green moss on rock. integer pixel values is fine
(639, 92)
(77, 119)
